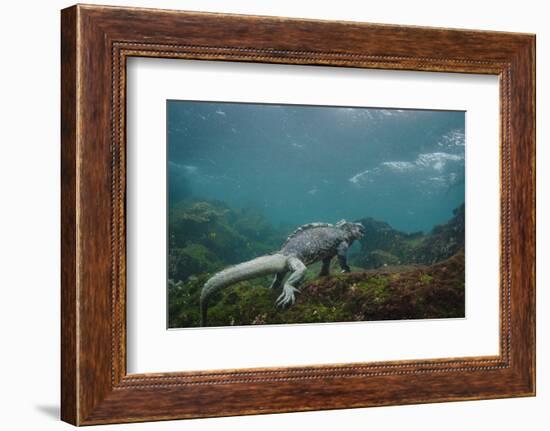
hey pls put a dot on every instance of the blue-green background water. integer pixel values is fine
(303, 164)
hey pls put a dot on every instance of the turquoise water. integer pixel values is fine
(302, 164)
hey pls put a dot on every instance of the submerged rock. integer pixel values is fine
(395, 275)
(444, 240)
(207, 236)
(435, 291)
(421, 292)
(382, 245)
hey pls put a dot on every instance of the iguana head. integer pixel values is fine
(353, 231)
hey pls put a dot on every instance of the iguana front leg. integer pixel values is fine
(325, 269)
(289, 288)
(342, 256)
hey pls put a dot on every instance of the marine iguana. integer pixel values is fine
(309, 243)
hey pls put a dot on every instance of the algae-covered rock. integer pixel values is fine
(191, 260)
(376, 259)
(183, 302)
(205, 236)
(426, 292)
(382, 245)
(395, 275)
(444, 240)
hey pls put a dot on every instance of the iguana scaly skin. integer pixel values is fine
(309, 243)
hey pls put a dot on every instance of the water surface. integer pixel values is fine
(301, 164)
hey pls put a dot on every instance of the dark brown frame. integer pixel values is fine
(95, 42)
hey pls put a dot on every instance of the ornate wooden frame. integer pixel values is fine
(95, 42)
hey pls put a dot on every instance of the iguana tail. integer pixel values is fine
(263, 265)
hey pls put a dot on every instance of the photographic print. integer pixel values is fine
(294, 214)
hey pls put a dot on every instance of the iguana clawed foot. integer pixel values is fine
(287, 296)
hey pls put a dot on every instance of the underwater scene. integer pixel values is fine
(288, 214)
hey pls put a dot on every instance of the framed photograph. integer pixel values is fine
(264, 214)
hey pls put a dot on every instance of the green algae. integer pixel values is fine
(206, 237)
(435, 291)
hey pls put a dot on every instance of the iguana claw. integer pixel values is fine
(287, 296)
